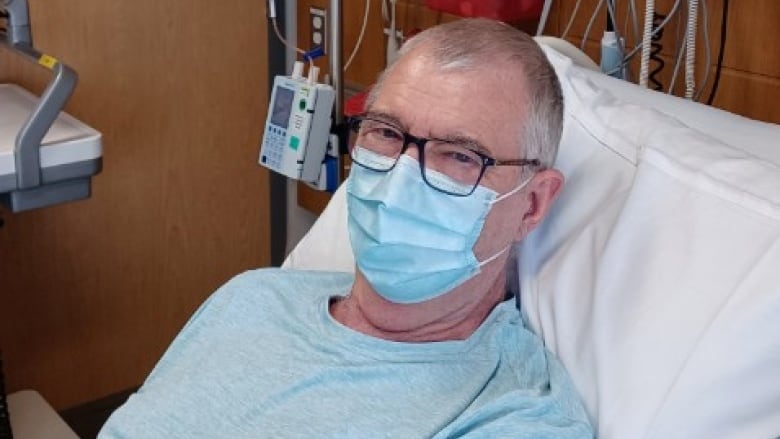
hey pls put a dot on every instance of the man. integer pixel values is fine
(451, 166)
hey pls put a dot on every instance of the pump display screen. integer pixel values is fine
(280, 114)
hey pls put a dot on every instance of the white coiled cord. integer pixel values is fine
(647, 37)
(690, 48)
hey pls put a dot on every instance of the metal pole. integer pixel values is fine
(336, 64)
(277, 182)
(5, 418)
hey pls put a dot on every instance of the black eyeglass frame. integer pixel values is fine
(354, 124)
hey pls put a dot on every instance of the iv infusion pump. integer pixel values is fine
(296, 135)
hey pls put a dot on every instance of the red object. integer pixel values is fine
(356, 105)
(504, 10)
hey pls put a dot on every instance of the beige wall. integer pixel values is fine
(92, 292)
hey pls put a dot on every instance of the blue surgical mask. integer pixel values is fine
(411, 242)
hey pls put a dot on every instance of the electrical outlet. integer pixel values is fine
(318, 19)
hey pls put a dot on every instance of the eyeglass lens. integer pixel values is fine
(448, 166)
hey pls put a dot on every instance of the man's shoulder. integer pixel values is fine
(278, 284)
(262, 300)
(286, 278)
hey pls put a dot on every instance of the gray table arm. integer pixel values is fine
(58, 91)
(18, 21)
(52, 101)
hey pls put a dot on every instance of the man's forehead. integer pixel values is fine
(483, 104)
(502, 81)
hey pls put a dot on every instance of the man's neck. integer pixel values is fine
(452, 316)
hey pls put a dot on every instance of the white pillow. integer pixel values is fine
(655, 278)
(326, 245)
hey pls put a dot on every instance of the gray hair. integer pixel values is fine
(473, 44)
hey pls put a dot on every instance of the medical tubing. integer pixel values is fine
(655, 54)
(303, 53)
(272, 16)
(271, 9)
(719, 66)
(612, 16)
(678, 57)
(590, 24)
(392, 43)
(690, 49)
(638, 47)
(618, 35)
(707, 49)
(281, 38)
(360, 36)
(571, 19)
(631, 13)
(647, 33)
(543, 19)
(631, 27)
(5, 418)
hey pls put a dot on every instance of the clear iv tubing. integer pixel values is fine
(279, 35)
(360, 36)
(272, 16)
(636, 48)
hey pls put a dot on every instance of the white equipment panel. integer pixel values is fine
(296, 130)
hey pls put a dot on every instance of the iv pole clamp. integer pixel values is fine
(18, 38)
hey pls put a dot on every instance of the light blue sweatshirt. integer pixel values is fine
(263, 358)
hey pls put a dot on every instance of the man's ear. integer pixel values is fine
(542, 191)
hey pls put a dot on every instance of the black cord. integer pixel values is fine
(5, 418)
(719, 67)
(655, 53)
(610, 23)
(4, 17)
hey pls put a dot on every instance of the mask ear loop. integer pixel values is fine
(512, 192)
(495, 256)
(503, 196)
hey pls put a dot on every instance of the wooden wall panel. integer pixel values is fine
(753, 35)
(740, 90)
(92, 292)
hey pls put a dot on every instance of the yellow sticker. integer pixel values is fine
(47, 61)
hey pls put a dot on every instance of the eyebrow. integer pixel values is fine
(384, 117)
(452, 138)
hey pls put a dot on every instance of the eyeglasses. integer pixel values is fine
(450, 166)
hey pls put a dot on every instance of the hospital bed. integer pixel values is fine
(656, 277)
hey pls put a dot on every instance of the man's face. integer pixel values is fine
(484, 106)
